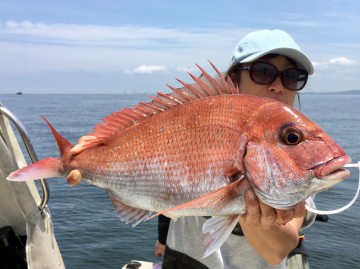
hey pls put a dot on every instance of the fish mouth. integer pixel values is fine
(333, 169)
(324, 176)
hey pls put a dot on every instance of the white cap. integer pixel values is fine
(260, 43)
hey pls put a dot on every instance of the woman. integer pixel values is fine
(269, 64)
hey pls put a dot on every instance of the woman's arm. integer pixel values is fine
(163, 228)
(271, 232)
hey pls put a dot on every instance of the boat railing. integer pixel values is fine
(28, 145)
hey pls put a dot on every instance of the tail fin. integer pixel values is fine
(48, 167)
(63, 144)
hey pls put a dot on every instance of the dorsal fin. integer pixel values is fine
(204, 86)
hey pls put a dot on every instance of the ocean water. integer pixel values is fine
(89, 233)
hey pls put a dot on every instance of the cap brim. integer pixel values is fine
(296, 55)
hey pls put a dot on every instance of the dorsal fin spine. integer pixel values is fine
(235, 88)
(111, 126)
(103, 128)
(160, 107)
(149, 108)
(170, 98)
(119, 121)
(126, 116)
(140, 113)
(224, 83)
(201, 84)
(167, 98)
(131, 113)
(146, 112)
(156, 109)
(192, 89)
(181, 93)
(112, 120)
(211, 80)
(123, 116)
(162, 102)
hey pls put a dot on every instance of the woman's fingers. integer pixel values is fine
(284, 216)
(74, 177)
(258, 214)
(268, 216)
(252, 215)
(263, 216)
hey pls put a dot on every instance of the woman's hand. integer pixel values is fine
(273, 233)
(74, 177)
(159, 249)
(263, 216)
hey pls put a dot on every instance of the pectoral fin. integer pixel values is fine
(218, 230)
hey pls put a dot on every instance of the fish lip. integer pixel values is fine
(333, 168)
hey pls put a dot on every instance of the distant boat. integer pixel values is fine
(19, 93)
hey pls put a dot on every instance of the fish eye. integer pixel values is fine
(292, 136)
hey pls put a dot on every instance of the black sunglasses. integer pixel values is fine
(265, 73)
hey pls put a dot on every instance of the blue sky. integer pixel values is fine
(115, 46)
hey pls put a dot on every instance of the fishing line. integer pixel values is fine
(330, 212)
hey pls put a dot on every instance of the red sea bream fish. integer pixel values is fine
(195, 151)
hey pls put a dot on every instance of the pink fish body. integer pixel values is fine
(195, 151)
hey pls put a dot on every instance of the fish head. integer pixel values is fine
(289, 157)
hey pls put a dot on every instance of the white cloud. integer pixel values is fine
(24, 24)
(187, 69)
(335, 61)
(342, 61)
(147, 69)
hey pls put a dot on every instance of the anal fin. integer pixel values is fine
(126, 213)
